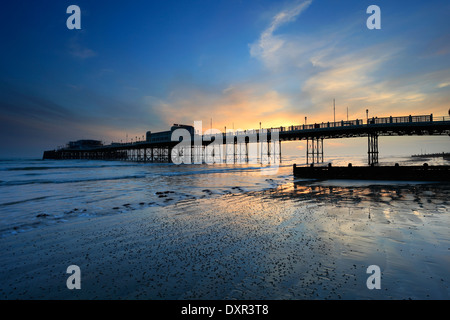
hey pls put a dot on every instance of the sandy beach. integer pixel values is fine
(297, 241)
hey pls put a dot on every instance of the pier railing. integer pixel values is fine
(361, 122)
(339, 124)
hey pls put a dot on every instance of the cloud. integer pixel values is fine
(79, 51)
(32, 120)
(361, 79)
(387, 75)
(307, 72)
(268, 47)
(241, 105)
(82, 53)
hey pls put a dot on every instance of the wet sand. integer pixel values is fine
(298, 241)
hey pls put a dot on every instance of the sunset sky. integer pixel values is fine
(144, 65)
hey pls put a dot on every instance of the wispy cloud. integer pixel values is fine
(49, 120)
(268, 46)
(385, 75)
(361, 80)
(79, 51)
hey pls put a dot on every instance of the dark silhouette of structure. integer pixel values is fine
(158, 146)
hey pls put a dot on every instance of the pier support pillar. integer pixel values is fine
(279, 150)
(372, 148)
(314, 150)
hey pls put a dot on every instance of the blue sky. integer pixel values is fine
(144, 65)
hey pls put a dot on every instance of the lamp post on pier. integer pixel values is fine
(334, 110)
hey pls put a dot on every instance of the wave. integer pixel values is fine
(22, 201)
(41, 181)
(220, 170)
(38, 168)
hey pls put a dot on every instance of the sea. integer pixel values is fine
(287, 238)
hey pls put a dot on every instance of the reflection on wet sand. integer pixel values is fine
(291, 240)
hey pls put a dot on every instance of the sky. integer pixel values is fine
(136, 66)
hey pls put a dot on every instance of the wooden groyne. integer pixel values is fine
(445, 155)
(397, 172)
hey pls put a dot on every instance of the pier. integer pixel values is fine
(232, 147)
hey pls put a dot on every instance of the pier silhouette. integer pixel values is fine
(160, 146)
